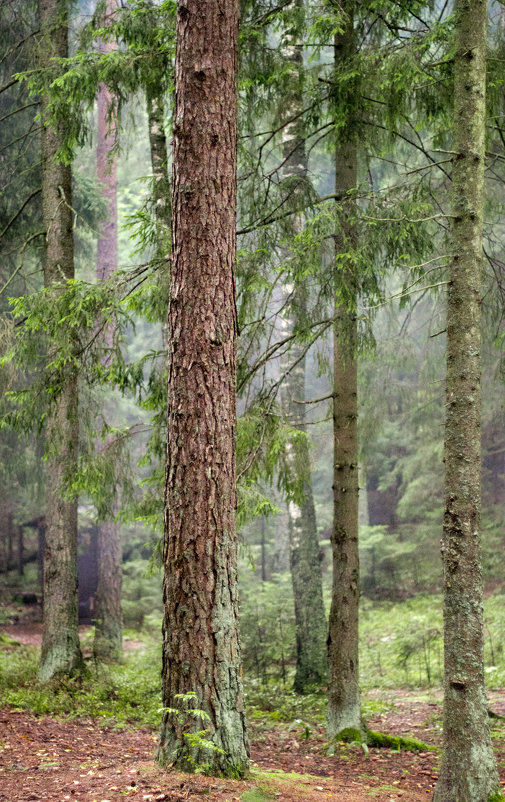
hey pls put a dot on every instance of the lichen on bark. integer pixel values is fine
(468, 772)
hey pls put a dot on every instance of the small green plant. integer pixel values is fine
(196, 740)
(300, 726)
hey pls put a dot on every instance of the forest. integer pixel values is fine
(252, 419)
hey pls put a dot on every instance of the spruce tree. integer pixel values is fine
(60, 653)
(469, 772)
(306, 574)
(343, 683)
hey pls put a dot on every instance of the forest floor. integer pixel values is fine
(43, 758)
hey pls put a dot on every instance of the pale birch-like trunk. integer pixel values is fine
(305, 564)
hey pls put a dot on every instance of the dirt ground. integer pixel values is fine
(77, 760)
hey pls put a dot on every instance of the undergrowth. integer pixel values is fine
(117, 695)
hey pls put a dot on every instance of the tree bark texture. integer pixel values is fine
(159, 165)
(161, 186)
(306, 572)
(468, 772)
(108, 641)
(201, 652)
(60, 653)
(344, 711)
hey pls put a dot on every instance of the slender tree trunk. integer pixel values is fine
(60, 653)
(20, 550)
(9, 542)
(161, 186)
(201, 652)
(41, 544)
(108, 642)
(159, 156)
(343, 684)
(468, 772)
(306, 574)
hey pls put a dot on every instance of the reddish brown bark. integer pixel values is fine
(108, 621)
(201, 649)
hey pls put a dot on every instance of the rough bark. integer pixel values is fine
(200, 631)
(468, 772)
(108, 639)
(343, 683)
(306, 573)
(60, 653)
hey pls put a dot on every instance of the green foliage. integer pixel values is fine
(196, 740)
(145, 35)
(119, 695)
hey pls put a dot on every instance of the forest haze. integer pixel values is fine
(252, 421)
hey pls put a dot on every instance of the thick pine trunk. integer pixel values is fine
(108, 642)
(201, 652)
(305, 565)
(343, 683)
(468, 772)
(60, 653)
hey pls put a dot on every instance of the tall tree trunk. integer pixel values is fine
(60, 653)
(306, 573)
(108, 642)
(343, 684)
(201, 652)
(468, 772)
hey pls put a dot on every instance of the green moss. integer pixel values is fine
(349, 735)
(256, 795)
(380, 740)
(496, 796)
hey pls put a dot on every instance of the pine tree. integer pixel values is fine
(469, 772)
(201, 654)
(108, 617)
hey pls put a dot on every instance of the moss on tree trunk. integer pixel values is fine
(60, 653)
(343, 683)
(468, 772)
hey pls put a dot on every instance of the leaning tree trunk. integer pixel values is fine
(60, 653)
(468, 772)
(343, 683)
(108, 642)
(201, 653)
(306, 573)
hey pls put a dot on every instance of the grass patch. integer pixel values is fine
(256, 795)
(116, 695)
